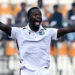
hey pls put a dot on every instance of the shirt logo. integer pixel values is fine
(42, 32)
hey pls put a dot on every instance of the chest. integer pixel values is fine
(34, 39)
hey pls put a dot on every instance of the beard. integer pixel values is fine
(34, 26)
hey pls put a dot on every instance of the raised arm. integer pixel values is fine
(5, 28)
(64, 31)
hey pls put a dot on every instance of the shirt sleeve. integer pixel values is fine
(14, 32)
(54, 33)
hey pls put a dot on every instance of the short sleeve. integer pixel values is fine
(54, 33)
(14, 33)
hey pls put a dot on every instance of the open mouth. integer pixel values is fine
(37, 23)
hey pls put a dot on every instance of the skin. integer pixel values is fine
(23, 7)
(35, 16)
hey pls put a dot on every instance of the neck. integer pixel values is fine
(23, 10)
(33, 28)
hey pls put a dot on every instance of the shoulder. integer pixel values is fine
(60, 14)
(70, 11)
(17, 29)
(52, 30)
(19, 13)
(23, 29)
(14, 29)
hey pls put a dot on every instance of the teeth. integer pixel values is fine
(37, 23)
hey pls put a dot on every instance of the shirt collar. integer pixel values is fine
(40, 28)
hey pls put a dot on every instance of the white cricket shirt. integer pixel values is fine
(34, 47)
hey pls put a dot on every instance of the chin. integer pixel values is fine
(37, 25)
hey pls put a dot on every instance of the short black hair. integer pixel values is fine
(73, 4)
(23, 3)
(55, 6)
(33, 8)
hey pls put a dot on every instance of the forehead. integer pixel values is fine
(35, 11)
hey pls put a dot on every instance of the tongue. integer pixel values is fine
(37, 23)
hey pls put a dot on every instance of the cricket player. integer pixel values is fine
(34, 43)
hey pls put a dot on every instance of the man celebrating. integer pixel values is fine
(34, 43)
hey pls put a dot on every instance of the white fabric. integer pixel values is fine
(65, 61)
(73, 17)
(73, 63)
(34, 47)
(41, 71)
(52, 67)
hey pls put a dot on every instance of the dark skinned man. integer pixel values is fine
(34, 43)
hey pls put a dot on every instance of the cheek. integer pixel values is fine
(31, 19)
(41, 17)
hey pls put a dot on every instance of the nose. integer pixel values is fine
(38, 16)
